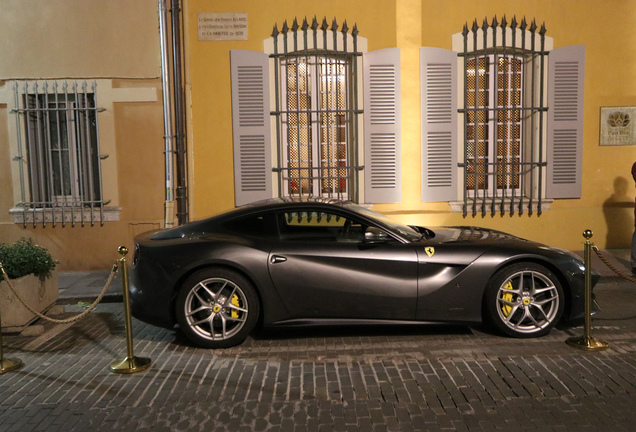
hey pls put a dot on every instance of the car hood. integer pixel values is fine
(470, 234)
(462, 245)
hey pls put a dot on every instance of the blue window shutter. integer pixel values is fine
(565, 122)
(382, 127)
(251, 129)
(438, 75)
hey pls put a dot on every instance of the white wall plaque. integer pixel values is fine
(222, 26)
(618, 126)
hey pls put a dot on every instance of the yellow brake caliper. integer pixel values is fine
(506, 309)
(235, 302)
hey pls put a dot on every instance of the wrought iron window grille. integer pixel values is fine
(504, 115)
(58, 153)
(317, 110)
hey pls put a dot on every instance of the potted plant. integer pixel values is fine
(31, 270)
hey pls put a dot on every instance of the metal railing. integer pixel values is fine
(504, 117)
(58, 152)
(317, 113)
(330, 180)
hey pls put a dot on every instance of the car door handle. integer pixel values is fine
(278, 259)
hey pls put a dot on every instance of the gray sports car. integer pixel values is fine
(277, 263)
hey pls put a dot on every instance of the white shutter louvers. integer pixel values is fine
(382, 94)
(438, 72)
(251, 126)
(252, 162)
(382, 126)
(565, 122)
(250, 90)
(383, 160)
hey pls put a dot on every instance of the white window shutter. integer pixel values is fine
(251, 126)
(382, 127)
(565, 122)
(438, 75)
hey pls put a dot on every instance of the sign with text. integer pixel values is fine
(222, 26)
(618, 126)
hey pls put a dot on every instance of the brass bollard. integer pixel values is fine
(587, 342)
(130, 364)
(7, 364)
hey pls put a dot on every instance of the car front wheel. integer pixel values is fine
(524, 300)
(217, 308)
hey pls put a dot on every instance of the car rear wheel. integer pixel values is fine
(524, 300)
(217, 308)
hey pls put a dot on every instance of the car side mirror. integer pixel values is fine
(375, 235)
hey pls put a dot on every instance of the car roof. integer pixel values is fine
(272, 204)
(275, 202)
(282, 203)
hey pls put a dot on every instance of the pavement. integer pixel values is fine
(398, 378)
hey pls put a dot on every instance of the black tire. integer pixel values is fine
(524, 300)
(217, 308)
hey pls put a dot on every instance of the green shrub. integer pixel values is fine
(23, 258)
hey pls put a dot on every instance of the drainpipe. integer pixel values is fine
(167, 115)
(179, 116)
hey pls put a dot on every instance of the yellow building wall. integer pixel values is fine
(208, 69)
(118, 39)
(114, 40)
(607, 29)
(139, 160)
(78, 38)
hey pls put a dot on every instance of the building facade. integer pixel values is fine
(435, 113)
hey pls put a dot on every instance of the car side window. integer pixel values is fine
(319, 226)
(257, 225)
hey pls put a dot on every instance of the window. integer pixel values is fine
(61, 138)
(319, 226)
(301, 127)
(57, 136)
(501, 120)
(494, 124)
(316, 121)
(257, 225)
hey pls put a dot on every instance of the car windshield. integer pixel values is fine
(392, 225)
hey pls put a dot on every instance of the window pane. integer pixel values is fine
(317, 125)
(60, 151)
(61, 137)
(319, 226)
(493, 122)
(255, 225)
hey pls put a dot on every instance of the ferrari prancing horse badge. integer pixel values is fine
(430, 251)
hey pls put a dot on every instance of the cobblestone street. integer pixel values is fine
(405, 378)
